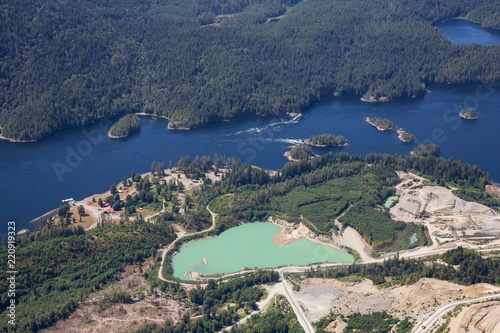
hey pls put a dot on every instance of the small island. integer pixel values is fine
(326, 140)
(299, 153)
(381, 124)
(405, 136)
(123, 127)
(469, 113)
(427, 150)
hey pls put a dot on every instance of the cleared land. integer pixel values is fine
(415, 301)
(448, 217)
(97, 315)
(477, 318)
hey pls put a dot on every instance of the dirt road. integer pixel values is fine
(160, 272)
(301, 316)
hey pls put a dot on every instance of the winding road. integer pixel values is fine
(427, 324)
(165, 251)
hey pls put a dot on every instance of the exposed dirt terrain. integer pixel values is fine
(477, 318)
(438, 205)
(450, 220)
(417, 301)
(98, 316)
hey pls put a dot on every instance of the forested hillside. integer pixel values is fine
(65, 64)
(59, 266)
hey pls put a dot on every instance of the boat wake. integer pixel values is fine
(294, 120)
(290, 141)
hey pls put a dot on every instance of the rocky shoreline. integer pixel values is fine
(309, 143)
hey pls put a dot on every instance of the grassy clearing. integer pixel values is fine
(402, 237)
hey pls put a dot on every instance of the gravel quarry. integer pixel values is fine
(448, 217)
(416, 301)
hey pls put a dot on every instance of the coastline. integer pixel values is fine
(121, 136)
(179, 128)
(94, 210)
(116, 137)
(82, 202)
(14, 140)
(309, 143)
(372, 99)
(290, 233)
(290, 158)
(150, 115)
(464, 18)
(468, 118)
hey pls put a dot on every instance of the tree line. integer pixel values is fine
(472, 269)
(65, 65)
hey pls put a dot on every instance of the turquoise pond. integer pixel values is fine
(250, 246)
(413, 238)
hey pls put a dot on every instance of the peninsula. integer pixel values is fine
(299, 153)
(125, 126)
(430, 150)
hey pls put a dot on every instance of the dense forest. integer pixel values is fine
(488, 15)
(70, 64)
(126, 125)
(432, 149)
(377, 322)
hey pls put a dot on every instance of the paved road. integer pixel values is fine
(301, 316)
(443, 309)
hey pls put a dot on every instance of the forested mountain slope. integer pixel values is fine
(65, 64)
